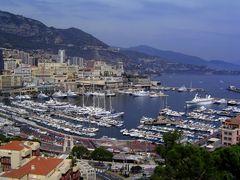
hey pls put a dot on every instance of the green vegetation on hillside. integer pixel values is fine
(99, 154)
(193, 162)
(80, 152)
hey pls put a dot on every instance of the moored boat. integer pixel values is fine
(200, 100)
(232, 103)
(71, 94)
(182, 89)
(59, 94)
(234, 89)
(42, 96)
(140, 93)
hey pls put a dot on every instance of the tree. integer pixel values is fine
(227, 162)
(193, 162)
(170, 140)
(101, 154)
(181, 161)
(80, 152)
(4, 139)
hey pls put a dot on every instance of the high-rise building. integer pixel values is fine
(1, 62)
(61, 56)
(24, 56)
(76, 61)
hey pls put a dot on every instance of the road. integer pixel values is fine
(106, 176)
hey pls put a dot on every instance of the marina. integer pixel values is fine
(128, 113)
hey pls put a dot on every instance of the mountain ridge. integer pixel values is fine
(14, 26)
(24, 33)
(184, 58)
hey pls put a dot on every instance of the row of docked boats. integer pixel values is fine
(196, 123)
(207, 100)
(182, 88)
(60, 94)
(41, 95)
(107, 93)
(63, 117)
(89, 115)
(142, 93)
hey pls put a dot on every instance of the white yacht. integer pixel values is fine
(109, 93)
(10, 98)
(22, 97)
(59, 94)
(140, 93)
(71, 94)
(27, 97)
(221, 101)
(153, 95)
(88, 93)
(42, 96)
(200, 100)
(232, 103)
(98, 94)
(182, 89)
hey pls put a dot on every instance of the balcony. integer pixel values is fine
(229, 127)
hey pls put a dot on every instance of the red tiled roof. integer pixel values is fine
(37, 166)
(235, 120)
(14, 146)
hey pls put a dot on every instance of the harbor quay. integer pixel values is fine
(57, 142)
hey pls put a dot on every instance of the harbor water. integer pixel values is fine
(137, 107)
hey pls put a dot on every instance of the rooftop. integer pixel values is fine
(13, 146)
(235, 121)
(37, 166)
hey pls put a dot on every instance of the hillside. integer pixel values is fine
(25, 33)
(184, 58)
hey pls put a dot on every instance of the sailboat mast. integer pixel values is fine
(93, 101)
(83, 96)
(166, 102)
(104, 103)
(110, 103)
(98, 101)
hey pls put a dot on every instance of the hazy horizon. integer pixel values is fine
(205, 29)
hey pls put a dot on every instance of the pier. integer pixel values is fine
(174, 88)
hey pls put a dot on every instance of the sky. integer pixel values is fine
(206, 28)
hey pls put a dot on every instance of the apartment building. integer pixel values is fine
(20, 160)
(231, 131)
(10, 63)
(43, 168)
(87, 171)
(10, 81)
(15, 153)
